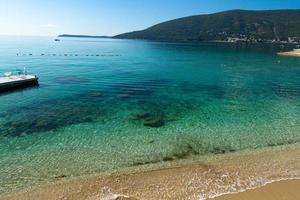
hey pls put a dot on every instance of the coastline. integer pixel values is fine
(294, 53)
(195, 179)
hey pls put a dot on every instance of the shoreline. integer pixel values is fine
(293, 53)
(195, 179)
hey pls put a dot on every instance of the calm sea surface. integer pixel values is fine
(207, 99)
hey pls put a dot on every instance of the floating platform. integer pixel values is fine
(9, 83)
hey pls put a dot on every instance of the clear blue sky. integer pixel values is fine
(110, 17)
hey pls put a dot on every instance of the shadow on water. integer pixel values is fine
(20, 89)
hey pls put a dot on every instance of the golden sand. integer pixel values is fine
(294, 53)
(186, 179)
(282, 190)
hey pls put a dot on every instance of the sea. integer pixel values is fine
(103, 105)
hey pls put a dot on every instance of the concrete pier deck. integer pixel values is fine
(19, 81)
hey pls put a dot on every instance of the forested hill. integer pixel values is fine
(230, 26)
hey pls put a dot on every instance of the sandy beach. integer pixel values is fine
(186, 179)
(293, 53)
(280, 190)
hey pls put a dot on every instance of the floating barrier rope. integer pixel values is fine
(83, 55)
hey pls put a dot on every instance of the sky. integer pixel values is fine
(111, 17)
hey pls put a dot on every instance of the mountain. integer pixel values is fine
(83, 36)
(228, 26)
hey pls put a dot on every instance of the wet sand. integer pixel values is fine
(282, 190)
(185, 179)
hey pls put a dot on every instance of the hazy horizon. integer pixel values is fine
(109, 18)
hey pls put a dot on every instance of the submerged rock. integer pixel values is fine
(154, 122)
(167, 158)
(223, 149)
(60, 176)
(149, 119)
(150, 141)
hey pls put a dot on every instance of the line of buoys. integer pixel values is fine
(86, 55)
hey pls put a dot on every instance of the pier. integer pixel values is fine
(8, 83)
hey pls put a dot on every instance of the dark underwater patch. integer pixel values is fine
(149, 119)
(51, 115)
(86, 107)
(185, 147)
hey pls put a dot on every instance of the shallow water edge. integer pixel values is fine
(191, 178)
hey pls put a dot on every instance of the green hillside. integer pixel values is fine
(232, 26)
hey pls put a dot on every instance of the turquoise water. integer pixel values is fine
(207, 99)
